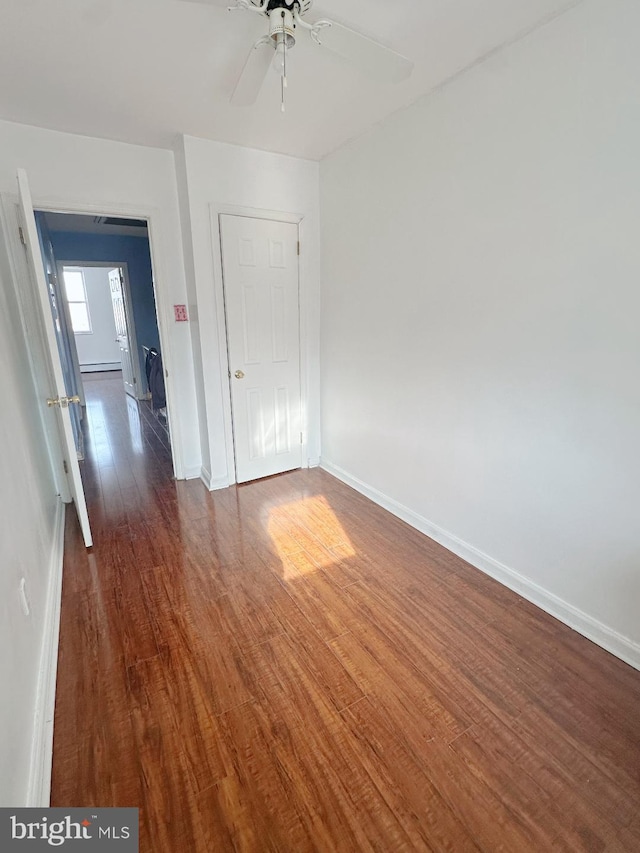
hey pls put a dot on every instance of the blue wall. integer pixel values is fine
(76, 247)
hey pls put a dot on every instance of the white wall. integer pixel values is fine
(480, 346)
(100, 347)
(215, 178)
(79, 174)
(28, 506)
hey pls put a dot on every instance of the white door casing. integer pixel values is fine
(36, 268)
(116, 286)
(261, 292)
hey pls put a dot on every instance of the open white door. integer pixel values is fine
(116, 284)
(260, 272)
(59, 397)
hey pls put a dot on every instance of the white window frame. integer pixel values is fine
(84, 301)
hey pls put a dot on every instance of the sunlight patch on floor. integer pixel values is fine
(300, 551)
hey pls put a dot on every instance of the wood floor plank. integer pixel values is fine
(409, 792)
(285, 658)
(325, 766)
(188, 709)
(260, 811)
(166, 791)
(565, 769)
(283, 666)
(504, 760)
(387, 677)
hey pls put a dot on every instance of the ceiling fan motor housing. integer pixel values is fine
(303, 6)
(282, 25)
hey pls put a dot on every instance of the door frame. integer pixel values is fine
(161, 291)
(215, 212)
(128, 311)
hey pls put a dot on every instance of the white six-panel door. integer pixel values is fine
(58, 391)
(260, 267)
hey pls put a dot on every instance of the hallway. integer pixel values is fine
(283, 666)
(127, 450)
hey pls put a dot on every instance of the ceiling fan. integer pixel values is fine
(286, 20)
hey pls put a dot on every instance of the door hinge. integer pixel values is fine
(301, 439)
(65, 466)
(135, 381)
(21, 232)
(298, 247)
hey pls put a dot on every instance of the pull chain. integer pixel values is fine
(283, 80)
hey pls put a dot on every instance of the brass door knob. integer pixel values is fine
(63, 402)
(239, 374)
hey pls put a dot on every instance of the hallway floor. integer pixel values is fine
(283, 666)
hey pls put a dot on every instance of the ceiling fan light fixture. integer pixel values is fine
(282, 27)
(283, 44)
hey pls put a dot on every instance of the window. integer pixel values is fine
(77, 300)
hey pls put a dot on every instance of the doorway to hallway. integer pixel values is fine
(100, 272)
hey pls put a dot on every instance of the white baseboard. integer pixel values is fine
(216, 483)
(100, 366)
(191, 473)
(39, 791)
(599, 633)
(213, 483)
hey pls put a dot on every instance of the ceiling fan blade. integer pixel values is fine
(369, 56)
(253, 74)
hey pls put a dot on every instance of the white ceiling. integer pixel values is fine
(144, 71)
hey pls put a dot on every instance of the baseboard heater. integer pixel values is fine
(102, 365)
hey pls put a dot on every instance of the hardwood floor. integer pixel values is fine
(283, 666)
